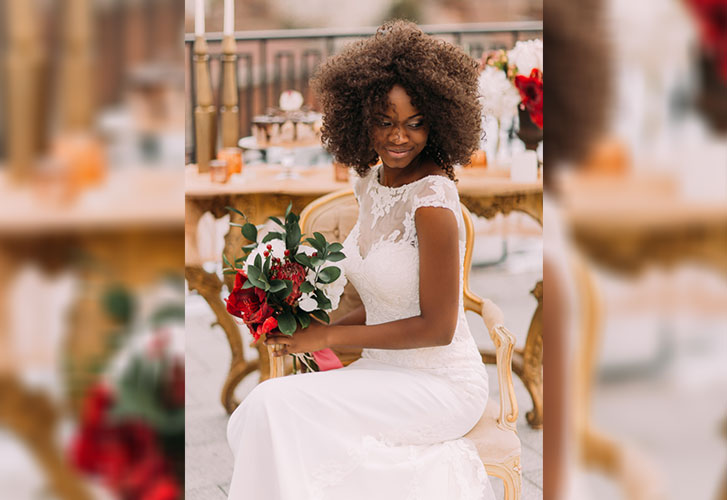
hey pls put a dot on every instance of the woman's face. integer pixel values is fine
(399, 134)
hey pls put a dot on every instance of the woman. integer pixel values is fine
(390, 425)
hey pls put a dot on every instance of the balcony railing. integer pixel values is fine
(270, 62)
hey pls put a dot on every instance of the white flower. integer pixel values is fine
(307, 302)
(526, 56)
(498, 96)
(334, 290)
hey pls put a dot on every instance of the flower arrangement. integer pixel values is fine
(280, 283)
(513, 79)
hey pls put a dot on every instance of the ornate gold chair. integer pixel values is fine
(495, 435)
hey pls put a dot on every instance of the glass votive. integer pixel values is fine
(233, 157)
(218, 171)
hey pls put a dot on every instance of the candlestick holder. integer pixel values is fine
(204, 110)
(230, 112)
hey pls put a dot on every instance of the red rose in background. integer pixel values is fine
(531, 93)
(712, 19)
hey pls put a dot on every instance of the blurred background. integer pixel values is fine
(91, 249)
(636, 248)
(92, 151)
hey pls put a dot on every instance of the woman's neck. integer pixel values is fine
(396, 177)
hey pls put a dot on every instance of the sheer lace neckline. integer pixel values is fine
(377, 181)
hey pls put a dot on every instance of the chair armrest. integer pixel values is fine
(504, 342)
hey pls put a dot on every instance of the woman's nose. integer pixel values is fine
(398, 135)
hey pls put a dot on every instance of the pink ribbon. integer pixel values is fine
(327, 360)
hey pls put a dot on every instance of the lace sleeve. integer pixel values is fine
(437, 191)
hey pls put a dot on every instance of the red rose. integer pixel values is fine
(164, 488)
(250, 304)
(291, 271)
(531, 93)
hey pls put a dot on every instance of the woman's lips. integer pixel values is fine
(399, 153)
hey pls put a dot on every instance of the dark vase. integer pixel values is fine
(712, 97)
(529, 133)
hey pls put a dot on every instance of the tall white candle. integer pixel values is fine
(199, 17)
(229, 23)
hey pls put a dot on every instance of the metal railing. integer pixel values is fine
(270, 62)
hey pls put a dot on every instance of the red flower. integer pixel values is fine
(712, 19)
(250, 304)
(165, 488)
(291, 271)
(531, 93)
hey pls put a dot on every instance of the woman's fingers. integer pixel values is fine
(278, 339)
(281, 352)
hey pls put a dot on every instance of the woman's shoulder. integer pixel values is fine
(435, 190)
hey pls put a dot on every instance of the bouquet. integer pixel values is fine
(523, 68)
(280, 284)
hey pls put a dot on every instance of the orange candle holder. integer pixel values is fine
(233, 157)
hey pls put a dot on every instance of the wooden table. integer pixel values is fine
(259, 194)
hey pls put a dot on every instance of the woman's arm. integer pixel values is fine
(438, 299)
(354, 317)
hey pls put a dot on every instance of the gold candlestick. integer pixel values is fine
(229, 109)
(77, 79)
(204, 111)
(25, 102)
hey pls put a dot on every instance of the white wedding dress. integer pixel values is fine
(388, 426)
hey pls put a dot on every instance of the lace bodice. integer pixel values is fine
(383, 264)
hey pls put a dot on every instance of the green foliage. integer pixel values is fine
(286, 323)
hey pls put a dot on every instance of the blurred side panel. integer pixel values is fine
(91, 249)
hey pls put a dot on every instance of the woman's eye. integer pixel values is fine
(384, 124)
(416, 124)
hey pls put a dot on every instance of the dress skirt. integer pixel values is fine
(371, 430)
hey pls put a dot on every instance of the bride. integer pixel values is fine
(390, 425)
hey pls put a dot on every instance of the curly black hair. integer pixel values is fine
(440, 79)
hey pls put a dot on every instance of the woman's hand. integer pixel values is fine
(313, 338)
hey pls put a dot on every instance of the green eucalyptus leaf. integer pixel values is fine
(259, 261)
(277, 285)
(316, 261)
(314, 243)
(249, 231)
(335, 247)
(306, 287)
(303, 318)
(247, 284)
(229, 271)
(286, 323)
(287, 210)
(303, 259)
(335, 257)
(233, 209)
(277, 221)
(235, 224)
(227, 262)
(253, 271)
(292, 238)
(289, 288)
(273, 235)
(321, 315)
(320, 238)
(329, 274)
